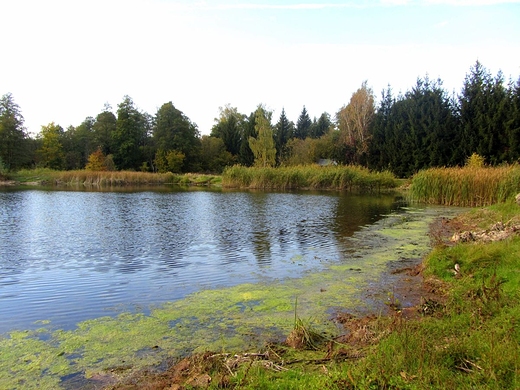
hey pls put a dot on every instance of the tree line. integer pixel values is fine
(424, 127)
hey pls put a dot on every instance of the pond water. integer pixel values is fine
(67, 256)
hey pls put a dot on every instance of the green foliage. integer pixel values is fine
(13, 138)
(262, 145)
(214, 156)
(129, 135)
(229, 127)
(51, 152)
(283, 132)
(103, 130)
(303, 125)
(173, 131)
(169, 161)
(475, 161)
(3, 170)
(422, 122)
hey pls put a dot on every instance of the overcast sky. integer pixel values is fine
(64, 59)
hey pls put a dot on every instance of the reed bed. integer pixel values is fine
(347, 178)
(112, 178)
(468, 186)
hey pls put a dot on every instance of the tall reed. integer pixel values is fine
(308, 176)
(112, 178)
(468, 186)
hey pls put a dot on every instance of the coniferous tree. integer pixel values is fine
(229, 127)
(283, 132)
(484, 107)
(380, 130)
(513, 124)
(246, 156)
(321, 126)
(303, 125)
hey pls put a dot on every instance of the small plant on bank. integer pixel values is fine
(475, 161)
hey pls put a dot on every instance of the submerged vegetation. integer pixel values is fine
(308, 176)
(468, 186)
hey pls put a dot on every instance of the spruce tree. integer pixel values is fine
(283, 132)
(303, 125)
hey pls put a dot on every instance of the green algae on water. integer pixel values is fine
(235, 318)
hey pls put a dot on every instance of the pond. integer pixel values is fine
(68, 256)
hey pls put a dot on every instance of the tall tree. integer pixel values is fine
(513, 124)
(129, 135)
(263, 146)
(245, 155)
(51, 151)
(283, 132)
(214, 156)
(354, 121)
(173, 131)
(103, 130)
(303, 125)
(13, 145)
(484, 107)
(320, 127)
(229, 127)
(78, 144)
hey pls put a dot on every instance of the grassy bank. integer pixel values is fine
(468, 186)
(465, 336)
(309, 177)
(472, 337)
(109, 178)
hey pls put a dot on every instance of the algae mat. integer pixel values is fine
(230, 319)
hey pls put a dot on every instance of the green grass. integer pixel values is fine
(468, 186)
(472, 342)
(309, 177)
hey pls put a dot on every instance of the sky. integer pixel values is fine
(62, 60)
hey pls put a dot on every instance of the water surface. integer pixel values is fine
(66, 256)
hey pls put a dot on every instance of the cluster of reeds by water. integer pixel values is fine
(112, 178)
(309, 177)
(468, 186)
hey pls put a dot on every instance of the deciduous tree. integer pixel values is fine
(129, 135)
(173, 131)
(263, 146)
(51, 151)
(13, 145)
(354, 121)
